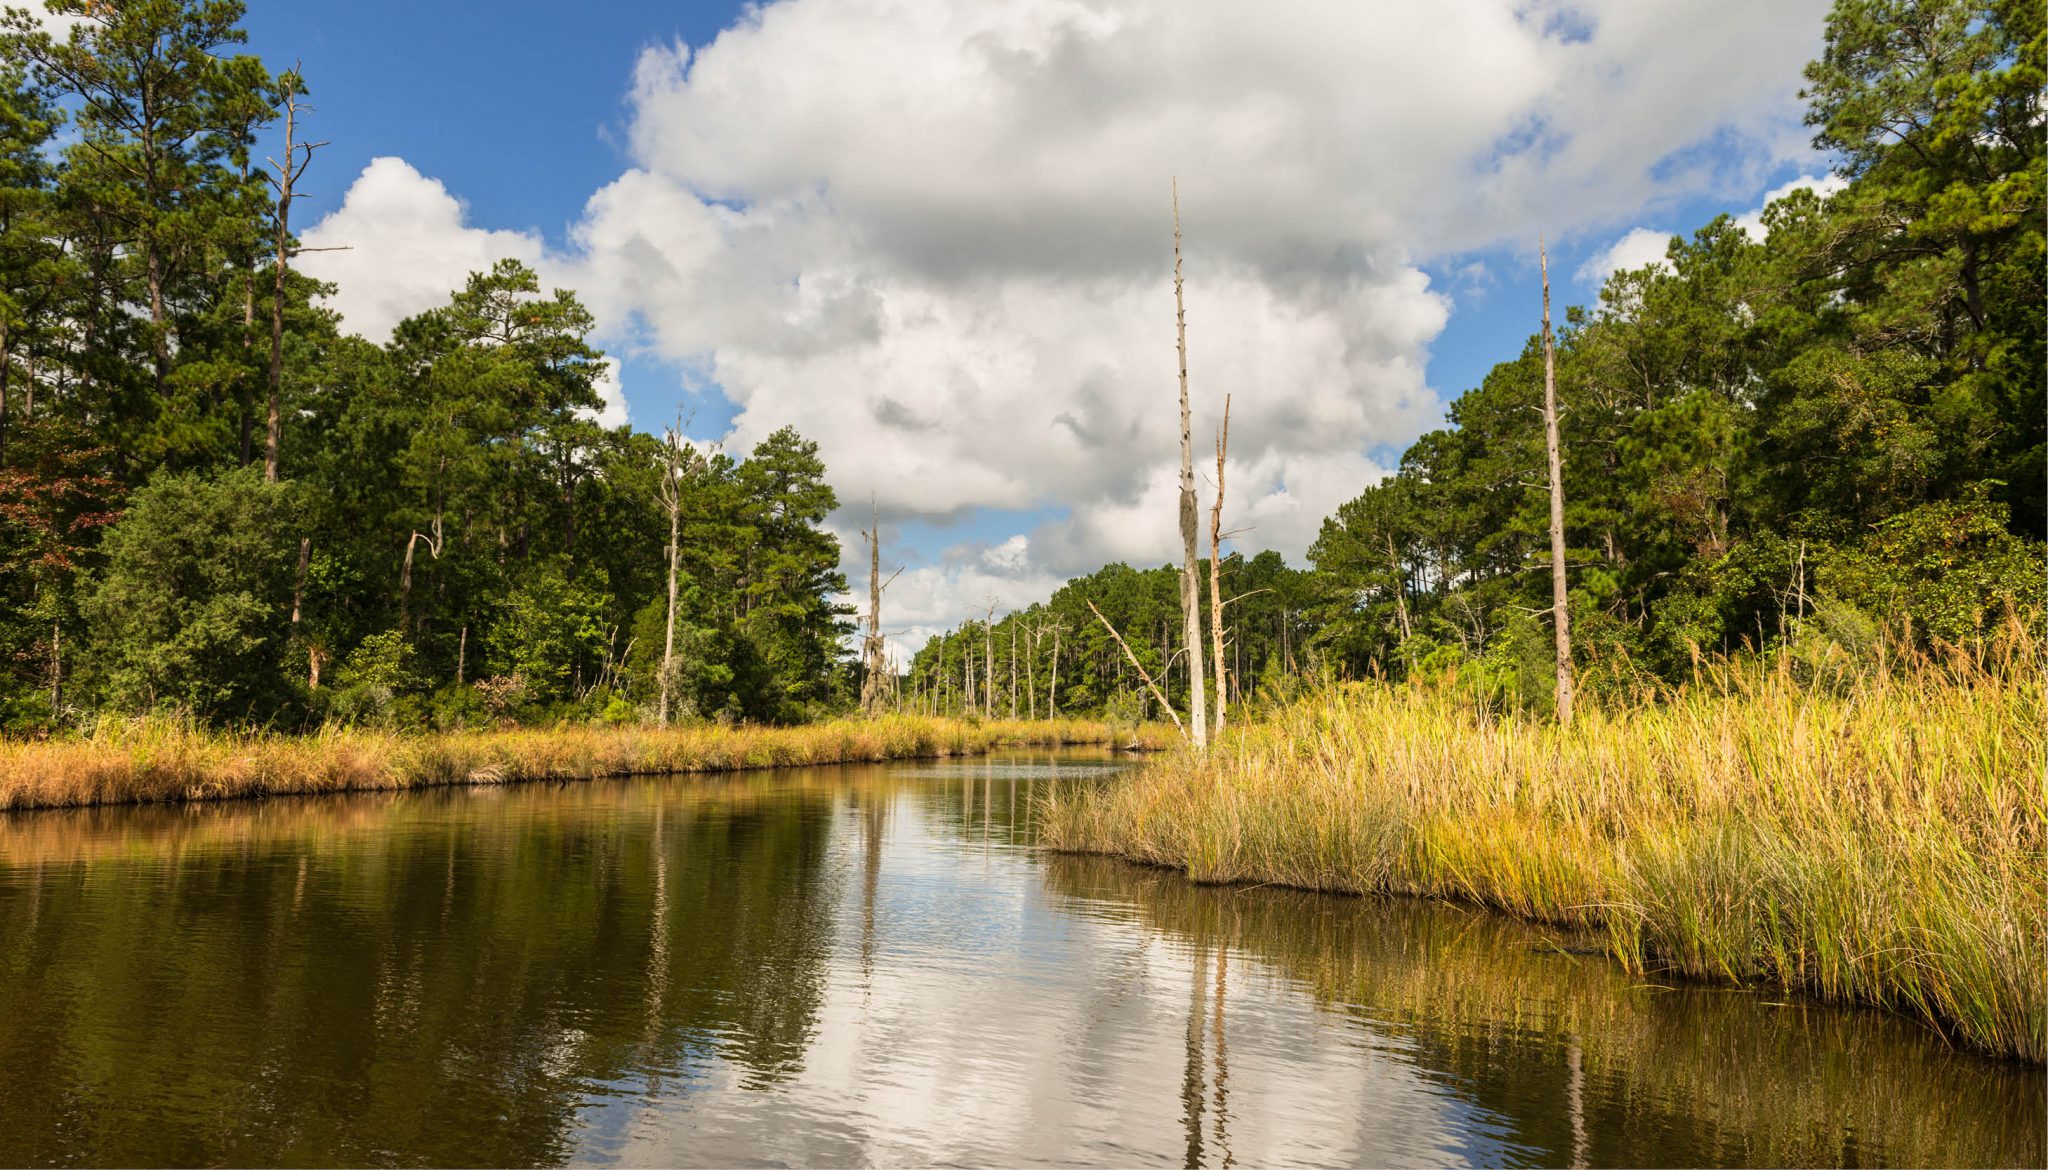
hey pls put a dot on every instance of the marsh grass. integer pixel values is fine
(1869, 836)
(162, 760)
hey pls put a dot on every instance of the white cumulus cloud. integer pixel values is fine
(403, 245)
(936, 236)
(1640, 248)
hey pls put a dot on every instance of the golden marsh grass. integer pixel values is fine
(1874, 838)
(156, 760)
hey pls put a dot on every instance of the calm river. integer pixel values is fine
(863, 965)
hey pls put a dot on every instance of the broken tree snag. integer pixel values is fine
(1400, 576)
(1216, 571)
(298, 156)
(988, 674)
(1190, 579)
(1140, 667)
(1052, 694)
(874, 654)
(675, 456)
(405, 571)
(1560, 612)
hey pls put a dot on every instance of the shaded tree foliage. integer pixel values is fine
(455, 536)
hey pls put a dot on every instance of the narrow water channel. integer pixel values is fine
(863, 965)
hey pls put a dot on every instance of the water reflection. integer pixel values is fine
(859, 965)
(1569, 1061)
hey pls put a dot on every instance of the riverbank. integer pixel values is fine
(160, 761)
(1877, 840)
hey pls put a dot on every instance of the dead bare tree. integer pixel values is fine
(675, 464)
(988, 675)
(1216, 572)
(405, 571)
(1013, 669)
(1036, 635)
(1140, 667)
(1190, 581)
(297, 157)
(1052, 693)
(873, 653)
(1400, 577)
(1560, 611)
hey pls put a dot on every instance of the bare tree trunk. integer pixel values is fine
(405, 570)
(1013, 670)
(988, 677)
(668, 635)
(675, 461)
(1216, 574)
(1190, 581)
(1560, 611)
(1031, 671)
(1400, 588)
(297, 157)
(160, 350)
(299, 585)
(1052, 695)
(461, 654)
(1140, 667)
(874, 652)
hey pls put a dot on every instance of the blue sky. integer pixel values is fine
(822, 168)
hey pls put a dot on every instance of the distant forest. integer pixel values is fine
(215, 502)
(1820, 438)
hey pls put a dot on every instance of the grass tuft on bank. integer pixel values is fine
(162, 760)
(1867, 836)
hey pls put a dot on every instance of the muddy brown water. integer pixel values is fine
(856, 966)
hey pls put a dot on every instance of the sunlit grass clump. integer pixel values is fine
(151, 760)
(1872, 837)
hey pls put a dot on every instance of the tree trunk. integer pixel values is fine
(1139, 667)
(272, 415)
(6, 364)
(668, 636)
(1559, 609)
(1216, 573)
(299, 584)
(1031, 672)
(288, 173)
(874, 651)
(1190, 581)
(1400, 588)
(246, 427)
(988, 677)
(1052, 694)
(160, 353)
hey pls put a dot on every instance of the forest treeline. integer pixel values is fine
(216, 501)
(213, 500)
(1828, 433)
